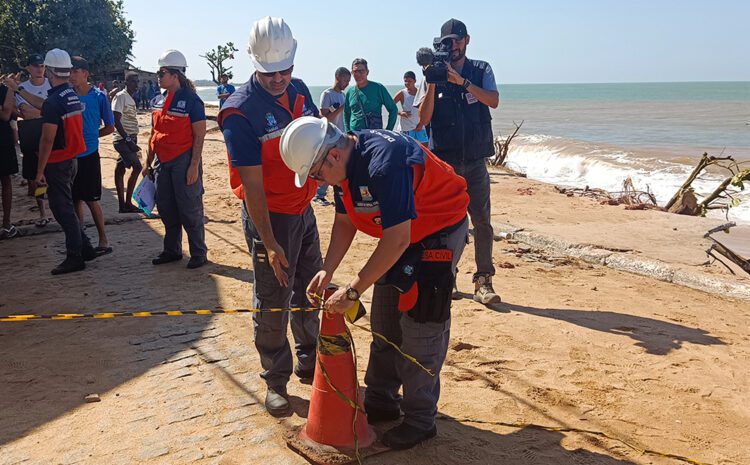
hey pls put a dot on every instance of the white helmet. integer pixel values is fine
(173, 59)
(302, 141)
(60, 60)
(271, 45)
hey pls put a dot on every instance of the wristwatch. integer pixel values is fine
(466, 83)
(128, 139)
(352, 294)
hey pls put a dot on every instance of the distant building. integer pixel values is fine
(119, 75)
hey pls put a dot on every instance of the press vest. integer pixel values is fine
(268, 118)
(461, 125)
(440, 199)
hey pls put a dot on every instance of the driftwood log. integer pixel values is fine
(723, 196)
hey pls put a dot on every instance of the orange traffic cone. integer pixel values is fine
(330, 419)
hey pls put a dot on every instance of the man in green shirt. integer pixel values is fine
(364, 102)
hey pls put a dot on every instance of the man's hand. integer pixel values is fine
(404, 114)
(10, 81)
(277, 260)
(41, 181)
(192, 174)
(338, 302)
(454, 77)
(317, 286)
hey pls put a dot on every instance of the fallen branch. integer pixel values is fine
(501, 147)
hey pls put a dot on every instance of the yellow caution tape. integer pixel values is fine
(145, 314)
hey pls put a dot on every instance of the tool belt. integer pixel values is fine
(424, 277)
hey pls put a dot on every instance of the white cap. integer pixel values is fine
(271, 45)
(59, 60)
(172, 59)
(301, 143)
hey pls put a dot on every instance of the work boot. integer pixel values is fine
(406, 436)
(166, 257)
(376, 415)
(69, 265)
(305, 376)
(197, 262)
(277, 402)
(483, 291)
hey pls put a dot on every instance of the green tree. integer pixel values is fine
(216, 59)
(95, 29)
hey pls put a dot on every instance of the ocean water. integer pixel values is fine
(598, 135)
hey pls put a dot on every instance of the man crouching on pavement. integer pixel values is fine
(390, 187)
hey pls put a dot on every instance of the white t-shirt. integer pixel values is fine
(410, 123)
(125, 105)
(39, 91)
(328, 98)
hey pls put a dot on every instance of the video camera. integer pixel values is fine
(435, 64)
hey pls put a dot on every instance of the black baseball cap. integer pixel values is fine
(453, 29)
(79, 63)
(34, 59)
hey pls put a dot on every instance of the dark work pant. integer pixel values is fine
(60, 194)
(298, 236)
(478, 182)
(180, 206)
(387, 370)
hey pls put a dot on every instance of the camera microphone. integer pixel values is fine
(425, 57)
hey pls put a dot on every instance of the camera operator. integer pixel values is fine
(458, 112)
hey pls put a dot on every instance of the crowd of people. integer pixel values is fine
(60, 117)
(413, 189)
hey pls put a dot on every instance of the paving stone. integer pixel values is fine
(184, 415)
(181, 373)
(153, 451)
(186, 338)
(236, 415)
(188, 455)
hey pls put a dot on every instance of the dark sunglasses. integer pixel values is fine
(285, 72)
(161, 73)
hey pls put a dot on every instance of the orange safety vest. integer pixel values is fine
(282, 195)
(440, 199)
(172, 132)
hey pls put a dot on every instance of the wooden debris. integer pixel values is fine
(723, 197)
(501, 147)
(725, 251)
(630, 197)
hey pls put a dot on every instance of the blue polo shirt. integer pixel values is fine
(380, 175)
(224, 89)
(96, 110)
(243, 137)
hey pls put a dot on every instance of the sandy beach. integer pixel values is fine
(574, 346)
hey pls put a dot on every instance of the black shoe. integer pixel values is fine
(196, 262)
(88, 254)
(305, 376)
(405, 436)
(376, 415)
(277, 402)
(166, 257)
(69, 265)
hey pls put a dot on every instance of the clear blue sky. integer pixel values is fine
(531, 41)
